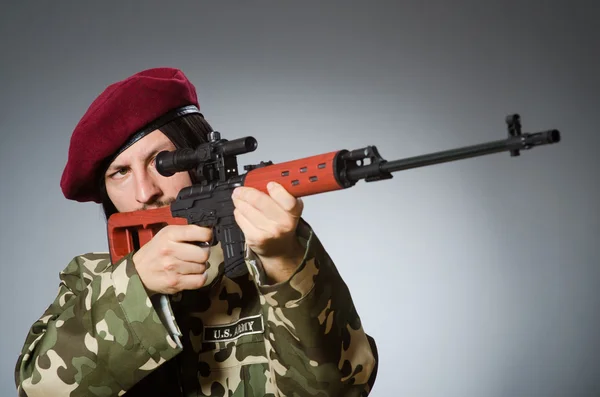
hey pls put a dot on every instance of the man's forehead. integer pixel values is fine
(142, 147)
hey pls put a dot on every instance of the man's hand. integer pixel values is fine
(169, 263)
(269, 226)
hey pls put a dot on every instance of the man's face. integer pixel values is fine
(132, 181)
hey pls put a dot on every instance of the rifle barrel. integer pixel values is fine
(513, 144)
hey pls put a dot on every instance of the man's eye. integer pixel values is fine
(120, 172)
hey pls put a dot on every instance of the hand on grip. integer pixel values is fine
(172, 261)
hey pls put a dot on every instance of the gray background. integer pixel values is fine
(476, 278)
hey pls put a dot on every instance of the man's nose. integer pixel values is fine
(147, 189)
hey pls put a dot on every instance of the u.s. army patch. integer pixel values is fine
(229, 332)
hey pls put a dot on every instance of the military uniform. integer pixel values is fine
(103, 335)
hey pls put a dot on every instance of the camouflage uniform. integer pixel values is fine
(103, 335)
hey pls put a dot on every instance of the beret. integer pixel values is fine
(138, 105)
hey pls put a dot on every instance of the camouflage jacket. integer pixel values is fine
(103, 335)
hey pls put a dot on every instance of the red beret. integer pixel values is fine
(142, 102)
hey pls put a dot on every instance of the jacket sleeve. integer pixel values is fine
(314, 336)
(100, 336)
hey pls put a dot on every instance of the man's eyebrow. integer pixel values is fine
(114, 166)
(153, 152)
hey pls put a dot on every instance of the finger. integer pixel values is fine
(183, 268)
(254, 216)
(285, 200)
(188, 233)
(188, 252)
(191, 281)
(261, 201)
(247, 227)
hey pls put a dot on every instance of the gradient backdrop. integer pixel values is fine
(477, 278)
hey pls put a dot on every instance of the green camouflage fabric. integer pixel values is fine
(103, 335)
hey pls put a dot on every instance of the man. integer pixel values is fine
(285, 327)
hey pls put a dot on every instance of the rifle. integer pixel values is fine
(209, 204)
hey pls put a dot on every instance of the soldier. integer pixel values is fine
(287, 326)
